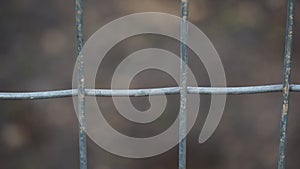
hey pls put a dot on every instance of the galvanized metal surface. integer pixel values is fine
(183, 89)
(183, 84)
(81, 87)
(145, 92)
(286, 83)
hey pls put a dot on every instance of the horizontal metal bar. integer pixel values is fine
(132, 92)
(145, 92)
(239, 90)
(37, 95)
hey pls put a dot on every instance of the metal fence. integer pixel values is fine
(183, 89)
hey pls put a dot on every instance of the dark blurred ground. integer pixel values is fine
(37, 51)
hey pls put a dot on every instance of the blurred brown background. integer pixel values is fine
(37, 51)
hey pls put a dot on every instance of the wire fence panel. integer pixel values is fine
(81, 92)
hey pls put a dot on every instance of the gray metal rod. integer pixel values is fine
(81, 87)
(286, 83)
(145, 92)
(183, 84)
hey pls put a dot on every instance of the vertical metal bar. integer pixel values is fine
(81, 87)
(286, 83)
(183, 84)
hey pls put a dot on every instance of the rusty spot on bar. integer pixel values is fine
(286, 84)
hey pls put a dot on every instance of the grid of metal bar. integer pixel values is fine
(183, 89)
